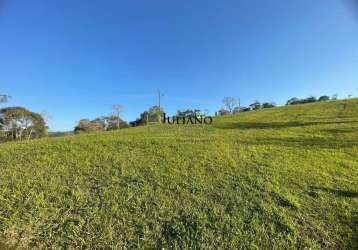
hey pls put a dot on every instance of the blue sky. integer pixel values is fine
(74, 59)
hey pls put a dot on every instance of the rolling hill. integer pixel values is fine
(277, 178)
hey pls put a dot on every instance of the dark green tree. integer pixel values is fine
(293, 101)
(255, 105)
(154, 114)
(18, 123)
(323, 98)
(266, 105)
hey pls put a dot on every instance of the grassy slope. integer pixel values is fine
(277, 178)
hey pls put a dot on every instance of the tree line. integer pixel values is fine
(18, 123)
(232, 105)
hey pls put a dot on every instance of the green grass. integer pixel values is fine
(280, 178)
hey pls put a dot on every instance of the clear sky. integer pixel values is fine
(73, 59)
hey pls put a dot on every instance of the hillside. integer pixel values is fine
(284, 177)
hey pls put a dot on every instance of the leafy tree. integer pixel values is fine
(255, 105)
(309, 99)
(323, 98)
(245, 109)
(268, 105)
(240, 109)
(17, 123)
(137, 122)
(229, 103)
(85, 126)
(46, 116)
(293, 101)
(154, 114)
(111, 122)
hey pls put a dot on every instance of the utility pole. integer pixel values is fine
(159, 99)
(239, 103)
(159, 110)
(118, 110)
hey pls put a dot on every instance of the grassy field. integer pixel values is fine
(280, 178)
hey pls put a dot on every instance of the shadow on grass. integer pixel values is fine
(274, 125)
(337, 192)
